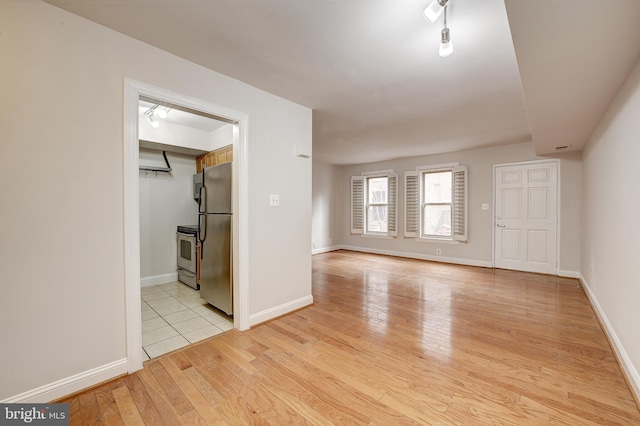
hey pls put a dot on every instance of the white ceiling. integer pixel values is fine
(370, 69)
(573, 56)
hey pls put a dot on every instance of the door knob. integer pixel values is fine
(500, 226)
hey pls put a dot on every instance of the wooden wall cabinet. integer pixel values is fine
(213, 158)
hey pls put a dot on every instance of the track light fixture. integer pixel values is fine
(446, 47)
(158, 111)
(434, 10)
(162, 112)
(431, 14)
(154, 123)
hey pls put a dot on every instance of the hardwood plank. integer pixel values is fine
(239, 400)
(74, 407)
(239, 356)
(198, 401)
(193, 418)
(331, 389)
(302, 409)
(556, 417)
(107, 404)
(160, 399)
(126, 406)
(391, 341)
(312, 396)
(221, 406)
(277, 412)
(175, 396)
(146, 407)
(89, 409)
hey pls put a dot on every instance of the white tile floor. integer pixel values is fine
(174, 316)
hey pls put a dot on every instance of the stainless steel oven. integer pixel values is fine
(187, 255)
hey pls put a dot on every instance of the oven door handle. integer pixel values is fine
(187, 272)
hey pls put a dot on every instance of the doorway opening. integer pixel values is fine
(526, 211)
(134, 93)
(174, 142)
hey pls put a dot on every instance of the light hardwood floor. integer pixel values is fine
(390, 341)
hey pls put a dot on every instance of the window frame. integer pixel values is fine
(360, 203)
(424, 204)
(415, 203)
(368, 204)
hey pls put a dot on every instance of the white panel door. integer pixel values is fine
(526, 217)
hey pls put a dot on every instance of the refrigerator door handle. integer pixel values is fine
(202, 195)
(202, 227)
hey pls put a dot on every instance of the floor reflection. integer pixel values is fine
(375, 306)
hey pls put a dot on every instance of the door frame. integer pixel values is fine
(240, 190)
(558, 205)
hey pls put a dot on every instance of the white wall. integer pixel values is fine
(478, 250)
(610, 233)
(62, 312)
(221, 137)
(166, 201)
(325, 233)
(174, 134)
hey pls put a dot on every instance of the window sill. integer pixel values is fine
(437, 240)
(382, 237)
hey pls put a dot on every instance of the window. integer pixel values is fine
(436, 203)
(373, 204)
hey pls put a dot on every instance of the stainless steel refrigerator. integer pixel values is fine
(214, 233)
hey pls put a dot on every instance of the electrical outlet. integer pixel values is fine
(438, 251)
(274, 200)
(485, 206)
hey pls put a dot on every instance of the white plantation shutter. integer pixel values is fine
(392, 191)
(459, 204)
(411, 204)
(357, 204)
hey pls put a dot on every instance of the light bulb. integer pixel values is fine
(434, 10)
(446, 47)
(154, 123)
(162, 113)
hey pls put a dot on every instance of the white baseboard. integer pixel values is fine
(568, 274)
(420, 256)
(158, 279)
(69, 385)
(285, 308)
(629, 369)
(325, 250)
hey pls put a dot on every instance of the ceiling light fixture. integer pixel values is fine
(431, 14)
(434, 10)
(151, 113)
(163, 112)
(154, 123)
(446, 47)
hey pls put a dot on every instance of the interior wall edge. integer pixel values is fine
(70, 385)
(568, 274)
(420, 256)
(325, 250)
(280, 310)
(629, 370)
(158, 279)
